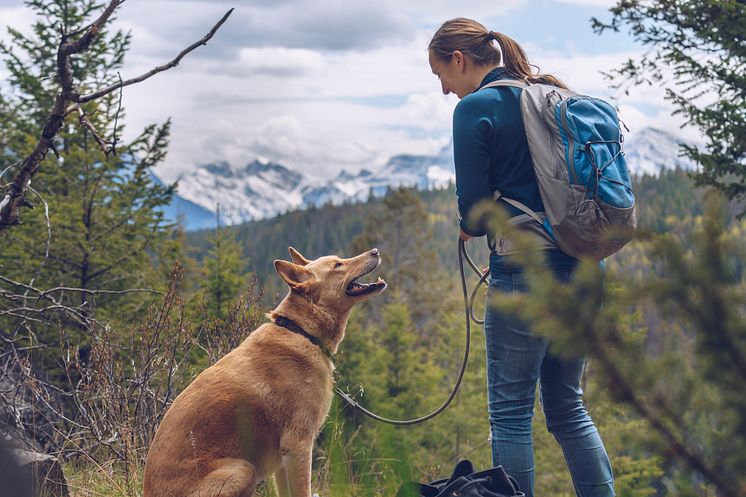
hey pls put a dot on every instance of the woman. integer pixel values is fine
(491, 154)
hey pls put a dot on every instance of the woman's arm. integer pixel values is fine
(472, 145)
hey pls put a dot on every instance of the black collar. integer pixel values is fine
(293, 326)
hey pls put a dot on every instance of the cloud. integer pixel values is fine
(323, 85)
(301, 24)
(591, 3)
(284, 62)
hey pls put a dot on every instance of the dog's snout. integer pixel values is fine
(375, 252)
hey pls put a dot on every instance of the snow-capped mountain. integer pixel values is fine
(263, 189)
(258, 190)
(423, 172)
(652, 150)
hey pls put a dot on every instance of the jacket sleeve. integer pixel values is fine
(472, 143)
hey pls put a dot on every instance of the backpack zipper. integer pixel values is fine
(571, 141)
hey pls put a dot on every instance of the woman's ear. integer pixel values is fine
(460, 59)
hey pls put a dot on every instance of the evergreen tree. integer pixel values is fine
(223, 270)
(105, 229)
(697, 52)
(402, 231)
(669, 343)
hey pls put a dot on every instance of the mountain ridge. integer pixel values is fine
(263, 189)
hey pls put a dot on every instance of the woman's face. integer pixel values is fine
(451, 73)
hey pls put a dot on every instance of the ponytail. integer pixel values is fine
(474, 40)
(516, 61)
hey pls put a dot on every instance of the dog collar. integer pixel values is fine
(293, 326)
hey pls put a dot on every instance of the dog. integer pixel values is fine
(258, 410)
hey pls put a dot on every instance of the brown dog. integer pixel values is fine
(258, 410)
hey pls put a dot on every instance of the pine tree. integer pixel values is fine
(697, 52)
(223, 270)
(105, 228)
(402, 231)
(668, 343)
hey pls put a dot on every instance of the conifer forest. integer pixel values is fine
(108, 309)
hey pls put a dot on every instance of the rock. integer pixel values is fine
(13, 482)
(45, 472)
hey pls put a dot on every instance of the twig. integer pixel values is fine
(175, 62)
(14, 199)
(9, 168)
(44, 293)
(86, 123)
(113, 149)
(49, 236)
(86, 28)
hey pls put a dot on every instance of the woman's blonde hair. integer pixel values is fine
(474, 40)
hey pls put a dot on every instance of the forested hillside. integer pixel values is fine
(108, 311)
(340, 229)
(402, 349)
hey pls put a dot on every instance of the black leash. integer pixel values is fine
(469, 311)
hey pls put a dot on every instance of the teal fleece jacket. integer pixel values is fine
(491, 151)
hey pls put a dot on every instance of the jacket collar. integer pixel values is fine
(496, 74)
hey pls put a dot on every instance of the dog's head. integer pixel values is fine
(330, 281)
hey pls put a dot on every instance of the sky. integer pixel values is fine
(330, 85)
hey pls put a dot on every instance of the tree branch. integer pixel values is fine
(11, 203)
(690, 455)
(175, 62)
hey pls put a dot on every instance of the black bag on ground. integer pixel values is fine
(465, 482)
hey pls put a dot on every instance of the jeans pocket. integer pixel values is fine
(501, 282)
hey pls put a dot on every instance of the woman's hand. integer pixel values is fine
(464, 236)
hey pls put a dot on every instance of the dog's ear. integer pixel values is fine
(297, 257)
(293, 274)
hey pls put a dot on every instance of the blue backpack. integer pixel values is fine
(576, 149)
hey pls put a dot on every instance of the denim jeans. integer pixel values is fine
(516, 360)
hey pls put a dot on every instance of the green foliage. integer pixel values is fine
(667, 204)
(667, 350)
(668, 343)
(400, 229)
(223, 271)
(697, 52)
(98, 225)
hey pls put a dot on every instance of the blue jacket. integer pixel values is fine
(491, 151)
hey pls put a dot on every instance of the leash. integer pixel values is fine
(469, 312)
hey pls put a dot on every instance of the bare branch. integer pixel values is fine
(164, 67)
(113, 149)
(74, 289)
(86, 123)
(86, 28)
(11, 203)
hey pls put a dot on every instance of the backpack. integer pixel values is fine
(466, 482)
(575, 143)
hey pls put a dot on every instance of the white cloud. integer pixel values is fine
(19, 18)
(437, 11)
(591, 3)
(320, 85)
(280, 61)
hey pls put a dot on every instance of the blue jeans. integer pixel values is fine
(516, 360)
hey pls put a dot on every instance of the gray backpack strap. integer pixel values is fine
(518, 205)
(506, 82)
